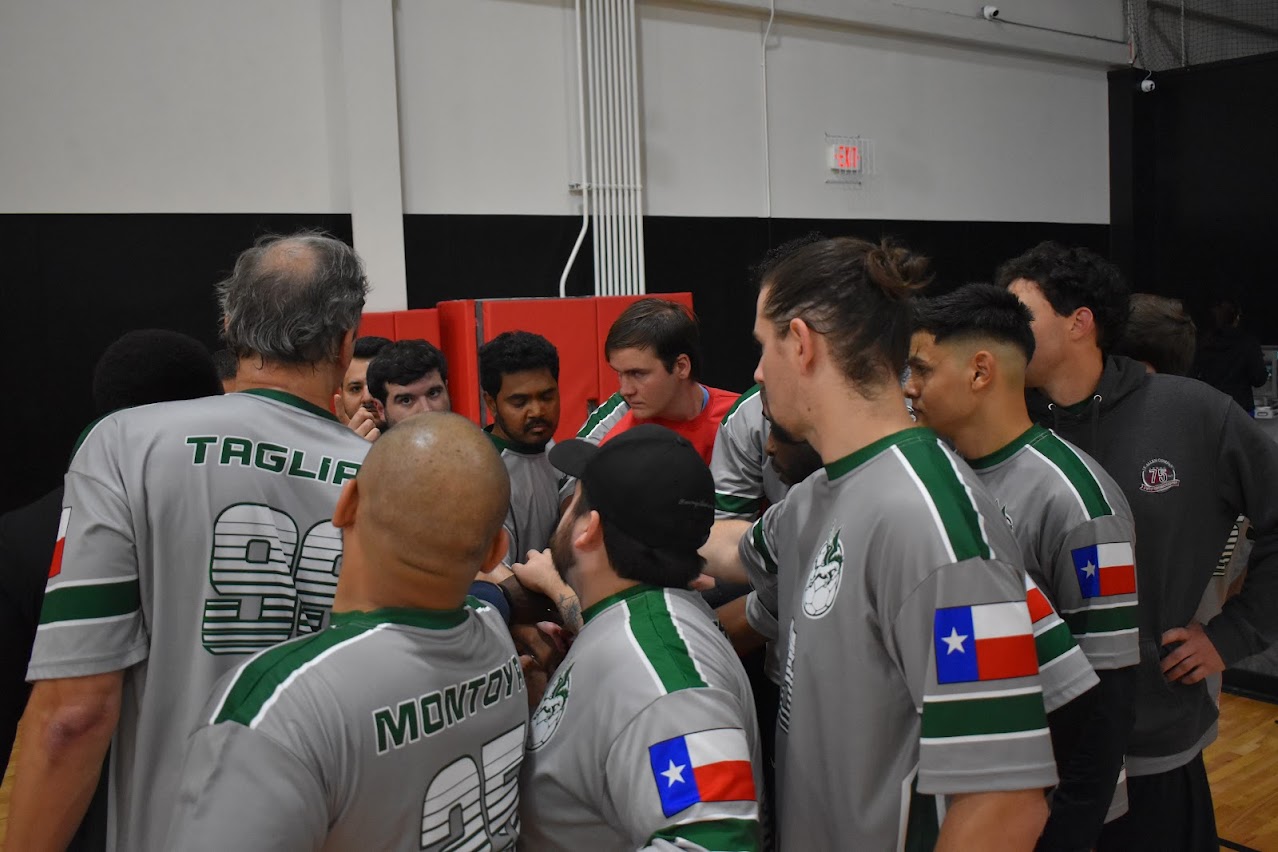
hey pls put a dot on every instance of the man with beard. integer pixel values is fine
(406, 378)
(519, 375)
(646, 736)
(353, 404)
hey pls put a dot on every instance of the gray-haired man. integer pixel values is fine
(192, 535)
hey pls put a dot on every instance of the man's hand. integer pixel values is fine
(720, 551)
(364, 424)
(1195, 659)
(538, 573)
(339, 410)
(541, 649)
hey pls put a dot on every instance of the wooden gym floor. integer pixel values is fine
(1242, 766)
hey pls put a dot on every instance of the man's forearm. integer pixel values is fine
(720, 552)
(66, 732)
(993, 822)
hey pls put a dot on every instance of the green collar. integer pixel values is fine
(430, 619)
(848, 463)
(503, 444)
(625, 594)
(291, 399)
(1029, 436)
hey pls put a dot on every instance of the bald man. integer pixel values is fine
(405, 714)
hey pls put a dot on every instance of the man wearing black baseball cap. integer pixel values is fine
(647, 730)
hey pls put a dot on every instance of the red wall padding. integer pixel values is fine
(377, 325)
(420, 324)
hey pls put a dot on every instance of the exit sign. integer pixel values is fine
(844, 158)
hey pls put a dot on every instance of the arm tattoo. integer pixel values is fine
(570, 611)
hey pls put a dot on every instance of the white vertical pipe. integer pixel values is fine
(628, 62)
(618, 86)
(593, 61)
(601, 217)
(637, 195)
(585, 170)
(609, 145)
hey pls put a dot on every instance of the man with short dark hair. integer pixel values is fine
(193, 534)
(967, 381)
(655, 349)
(519, 375)
(406, 378)
(646, 737)
(1180, 451)
(354, 395)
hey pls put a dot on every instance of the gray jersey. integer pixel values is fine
(194, 533)
(534, 499)
(646, 736)
(396, 729)
(921, 679)
(744, 481)
(1075, 530)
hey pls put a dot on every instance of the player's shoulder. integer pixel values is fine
(745, 414)
(603, 418)
(1071, 477)
(721, 402)
(283, 675)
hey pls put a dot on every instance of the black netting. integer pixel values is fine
(1177, 33)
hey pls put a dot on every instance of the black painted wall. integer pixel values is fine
(1194, 185)
(76, 282)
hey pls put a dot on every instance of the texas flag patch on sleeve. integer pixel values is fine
(1105, 569)
(708, 766)
(55, 565)
(984, 642)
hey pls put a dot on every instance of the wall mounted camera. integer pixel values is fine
(1147, 85)
(989, 13)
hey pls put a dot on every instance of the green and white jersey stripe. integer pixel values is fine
(744, 480)
(372, 734)
(1060, 501)
(597, 426)
(649, 666)
(866, 553)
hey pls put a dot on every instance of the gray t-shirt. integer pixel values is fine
(534, 499)
(919, 679)
(744, 480)
(194, 534)
(646, 736)
(1076, 531)
(396, 729)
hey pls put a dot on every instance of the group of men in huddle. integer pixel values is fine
(978, 635)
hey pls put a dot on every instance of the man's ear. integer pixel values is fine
(379, 409)
(805, 342)
(347, 350)
(1082, 323)
(589, 537)
(682, 367)
(496, 551)
(347, 503)
(982, 368)
(489, 403)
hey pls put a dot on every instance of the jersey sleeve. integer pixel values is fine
(1093, 580)
(963, 641)
(683, 774)
(1064, 669)
(91, 621)
(241, 789)
(737, 463)
(758, 554)
(597, 426)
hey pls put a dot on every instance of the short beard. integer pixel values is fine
(540, 446)
(561, 551)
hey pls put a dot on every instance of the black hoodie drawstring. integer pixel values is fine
(1056, 416)
(1095, 409)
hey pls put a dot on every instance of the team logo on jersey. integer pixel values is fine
(825, 579)
(545, 721)
(1157, 476)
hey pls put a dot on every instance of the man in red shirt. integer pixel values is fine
(654, 347)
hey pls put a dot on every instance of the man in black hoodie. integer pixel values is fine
(1189, 462)
(1229, 359)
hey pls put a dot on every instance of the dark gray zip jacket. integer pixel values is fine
(1189, 462)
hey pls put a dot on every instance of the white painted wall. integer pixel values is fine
(239, 106)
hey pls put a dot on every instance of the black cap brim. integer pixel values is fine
(572, 456)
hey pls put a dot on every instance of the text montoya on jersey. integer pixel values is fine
(273, 458)
(415, 718)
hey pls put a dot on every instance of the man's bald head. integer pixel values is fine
(433, 494)
(293, 300)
